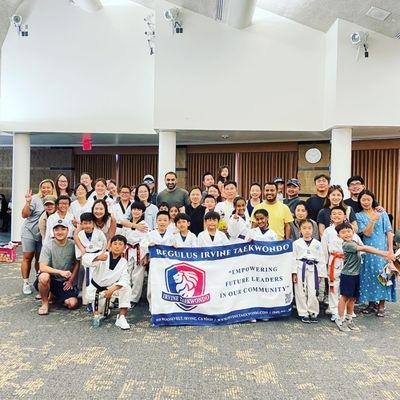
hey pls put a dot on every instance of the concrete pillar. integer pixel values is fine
(166, 156)
(21, 170)
(341, 157)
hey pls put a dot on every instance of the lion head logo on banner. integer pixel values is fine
(186, 286)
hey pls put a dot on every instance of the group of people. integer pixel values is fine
(93, 242)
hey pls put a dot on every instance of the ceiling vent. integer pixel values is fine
(378, 13)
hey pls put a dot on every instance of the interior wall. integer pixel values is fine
(78, 71)
(45, 163)
(265, 77)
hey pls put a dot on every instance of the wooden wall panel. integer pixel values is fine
(199, 163)
(380, 169)
(133, 167)
(263, 167)
(98, 165)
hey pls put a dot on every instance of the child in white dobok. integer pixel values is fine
(158, 236)
(182, 238)
(239, 223)
(88, 239)
(262, 232)
(332, 247)
(309, 268)
(211, 236)
(135, 250)
(109, 277)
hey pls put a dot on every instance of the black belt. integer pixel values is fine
(98, 287)
(119, 226)
(242, 237)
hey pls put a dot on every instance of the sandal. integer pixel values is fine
(38, 297)
(380, 313)
(368, 310)
(43, 310)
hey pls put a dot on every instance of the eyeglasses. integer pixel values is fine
(125, 192)
(355, 184)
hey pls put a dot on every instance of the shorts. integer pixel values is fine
(57, 289)
(31, 245)
(350, 285)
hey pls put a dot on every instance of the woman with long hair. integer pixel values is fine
(30, 234)
(377, 232)
(334, 198)
(103, 219)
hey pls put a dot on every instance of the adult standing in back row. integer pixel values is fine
(280, 216)
(173, 195)
(316, 202)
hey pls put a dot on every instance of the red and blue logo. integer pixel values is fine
(186, 286)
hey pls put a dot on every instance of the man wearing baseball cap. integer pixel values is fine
(150, 182)
(292, 193)
(58, 268)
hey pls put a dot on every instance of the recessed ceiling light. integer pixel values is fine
(225, 136)
(378, 13)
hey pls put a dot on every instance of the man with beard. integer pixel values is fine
(173, 195)
(279, 213)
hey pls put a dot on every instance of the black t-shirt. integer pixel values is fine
(324, 217)
(315, 203)
(353, 204)
(196, 218)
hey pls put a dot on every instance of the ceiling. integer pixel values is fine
(321, 14)
(197, 137)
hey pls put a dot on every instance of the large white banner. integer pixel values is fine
(220, 285)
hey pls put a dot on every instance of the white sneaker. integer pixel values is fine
(122, 323)
(253, 321)
(342, 325)
(352, 326)
(334, 317)
(353, 315)
(26, 288)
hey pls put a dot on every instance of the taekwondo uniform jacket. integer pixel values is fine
(239, 228)
(257, 234)
(96, 244)
(177, 240)
(312, 252)
(119, 212)
(204, 239)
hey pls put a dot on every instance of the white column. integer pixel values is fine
(166, 156)
(21, 171)
(341, 157)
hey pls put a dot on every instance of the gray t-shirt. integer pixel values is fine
(30, 227)
(178, 197)
(352, 259)
(59, 257)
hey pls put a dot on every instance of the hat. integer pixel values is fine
(148, 179)
(397, 237)
(49, 200)
(294, 182)
(278, 180)
(61, 222)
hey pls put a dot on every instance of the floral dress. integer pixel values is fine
(370, 288)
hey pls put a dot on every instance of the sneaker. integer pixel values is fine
(314, 320)
(334, 317)
(342, 326)
(354, 315)
(306, 320)
(265, 319)
(26, 288)
(352, 326)
(96, 321)
(328, 311)
(122, 323)
(253, 321)
(89, 308)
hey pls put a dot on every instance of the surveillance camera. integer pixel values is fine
(172, 14)
(359, 38)
(16, 20)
